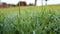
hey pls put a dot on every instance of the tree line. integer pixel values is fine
(20, 3)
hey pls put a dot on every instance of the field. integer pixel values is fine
(30, 20)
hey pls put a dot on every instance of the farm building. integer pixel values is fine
(3, 5)
(22, 3)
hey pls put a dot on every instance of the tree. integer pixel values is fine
(31, 4)
(46, 2)
(35, 2)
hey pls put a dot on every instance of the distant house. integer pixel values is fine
(3, 5)
(22, 3)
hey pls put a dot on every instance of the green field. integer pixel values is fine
(30, 20)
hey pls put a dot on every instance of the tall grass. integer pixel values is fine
(30, 21)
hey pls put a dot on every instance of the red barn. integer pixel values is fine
(22, 3)
(3, 5)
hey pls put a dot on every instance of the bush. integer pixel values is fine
(31, 4)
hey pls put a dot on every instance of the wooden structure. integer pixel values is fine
(3, 5)
(22, 3)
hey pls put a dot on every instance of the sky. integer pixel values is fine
(32, 1)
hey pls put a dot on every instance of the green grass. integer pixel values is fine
(32, 20)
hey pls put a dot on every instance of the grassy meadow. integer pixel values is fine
(30, 20)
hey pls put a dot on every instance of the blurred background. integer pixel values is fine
(31, 1)
(29, 16)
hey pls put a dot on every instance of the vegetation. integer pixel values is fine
(31, 20)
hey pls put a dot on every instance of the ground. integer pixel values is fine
(30, 20)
